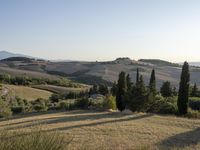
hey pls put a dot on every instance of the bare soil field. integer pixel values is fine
(113, 130)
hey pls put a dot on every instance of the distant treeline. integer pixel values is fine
(81, 77)
(26, 81)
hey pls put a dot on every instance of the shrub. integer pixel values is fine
(194, 103)
(110, 102)
(193, 114)
(83, 103)
(17, 109)
(62, 104)
(5, 110)
(40, 105)
(19, 105)
(164, 106)
(54, 98)
(35, 140)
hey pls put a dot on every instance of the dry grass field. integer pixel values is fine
(60, 89)
(33, 74)
(27, 92)
(113, 130)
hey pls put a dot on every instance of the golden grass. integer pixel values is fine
(27, 92)
(60, 89)
(113, 130)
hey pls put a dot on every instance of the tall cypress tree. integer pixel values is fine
(152, 83)
(166, 89)
(137, 76)
(141, 85)
(121, 92)
(183, 95)
(128, 82)
(138, 96)
(194, 90)
(114, 89)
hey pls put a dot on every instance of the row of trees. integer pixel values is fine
(27, 81)
(138, 97)
(99, 89)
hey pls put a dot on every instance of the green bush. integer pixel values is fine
(83, 103)
(194, 103)
(17, 109)
(40, 105)
(110, 102)
(5, 110)
(63, 105)
(164, 105)
(34, 140)
(55, 98)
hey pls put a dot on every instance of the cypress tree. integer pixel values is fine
(183, 95)
(194, 90)
(121, 92)
(94, 89)
(152, 83)
(139, 96)
(103, 89)
(128, 82)
(137, 76)
(114, 89)
(141, 85)
(166, 89)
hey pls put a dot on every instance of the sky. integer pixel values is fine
(102, 29)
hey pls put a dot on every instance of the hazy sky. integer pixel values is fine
(102, 29)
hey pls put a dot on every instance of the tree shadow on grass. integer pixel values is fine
(190, 138)
(35, 114)
(102, 122)
(116, 117)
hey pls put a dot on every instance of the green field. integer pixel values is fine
(90, 130)
(27, 92)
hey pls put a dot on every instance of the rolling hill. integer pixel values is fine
(96, 72)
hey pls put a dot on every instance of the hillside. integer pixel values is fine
(27, 93)
(108, 71)
(115, 131)
(97, 72)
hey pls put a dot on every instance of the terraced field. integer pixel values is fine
(117, 131)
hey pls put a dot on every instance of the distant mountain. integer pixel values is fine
(5, 54)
